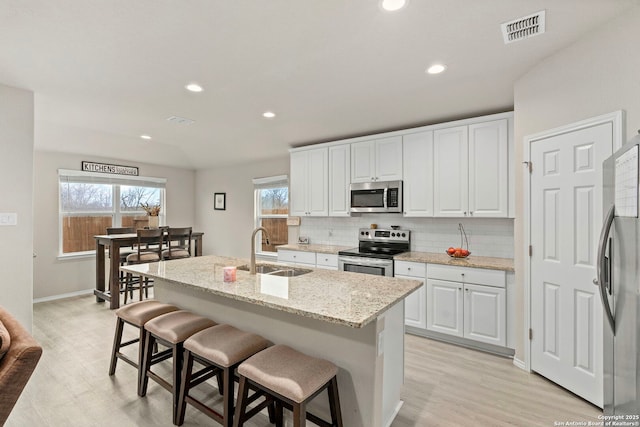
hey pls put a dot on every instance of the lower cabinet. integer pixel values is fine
(308, 259)
(415, 305)
(467, 302)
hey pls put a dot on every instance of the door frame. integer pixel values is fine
(616, 118)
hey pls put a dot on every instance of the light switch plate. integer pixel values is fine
(8, 218)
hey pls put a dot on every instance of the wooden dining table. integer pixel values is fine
(114, 242)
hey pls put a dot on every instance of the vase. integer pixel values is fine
(154, 221)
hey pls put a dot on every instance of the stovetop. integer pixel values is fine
(380, 243)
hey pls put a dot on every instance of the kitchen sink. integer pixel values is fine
(277, 270)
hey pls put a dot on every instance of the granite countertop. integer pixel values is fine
(349, 299)
(323, 249)
(492, 263)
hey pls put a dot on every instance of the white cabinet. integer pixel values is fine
(377, 160)
(415, 305)
(339, 180)
(471, 170)
(309, 185)
(467, 302)
(417, 169)
(327, 261)
(297, 257)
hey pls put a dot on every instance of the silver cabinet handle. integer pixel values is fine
(600, 280)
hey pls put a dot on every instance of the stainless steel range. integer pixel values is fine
(375, 251)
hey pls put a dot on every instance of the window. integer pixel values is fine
(272, 211)
(91, 202)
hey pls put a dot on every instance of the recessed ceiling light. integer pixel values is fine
(436, 69)
(194, 87)
(269, 114)
(393, 5)
(147, 137)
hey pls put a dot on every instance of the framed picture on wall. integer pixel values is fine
(219, 201)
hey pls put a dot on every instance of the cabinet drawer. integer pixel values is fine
(297, 257)
(480, 276)
(327, 260)
(413, 269)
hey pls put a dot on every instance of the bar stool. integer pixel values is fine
(179, 243)
(220, 349)
(149, 250)
(136, 314)
(293, 379)
(170, 330)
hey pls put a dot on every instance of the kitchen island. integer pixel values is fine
(354, 320)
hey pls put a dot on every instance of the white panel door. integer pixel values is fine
(488, 169)
(444, 307)
(417, 166)
(566, 215)
(298, 183)
(451, 172)
(388, 159)
(339, 180)
(415, 306)
(484, 314)
(317, 195)
(363, 161)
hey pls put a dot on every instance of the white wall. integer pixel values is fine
(228, 232)
(596, 75)
(16, 189)
(53, 276)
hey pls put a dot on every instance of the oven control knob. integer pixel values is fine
(366, 233)
(404, 235)
(393, 234)
(362, 233)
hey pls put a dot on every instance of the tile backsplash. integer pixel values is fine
(487, 236)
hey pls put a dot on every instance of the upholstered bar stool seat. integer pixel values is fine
(136, 258)
(220, 349)
(294, 379)
(171, 330)
(136, 314)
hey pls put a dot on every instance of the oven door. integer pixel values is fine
(375, 266)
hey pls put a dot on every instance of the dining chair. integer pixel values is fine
(124, 252)
(179, 241)
(149, 249)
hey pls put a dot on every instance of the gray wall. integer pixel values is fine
(53, 276)
(16, 189)
(596, 75)
(228, 232)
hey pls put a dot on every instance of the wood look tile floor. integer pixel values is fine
(445, 385)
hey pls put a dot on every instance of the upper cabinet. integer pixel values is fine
(417, 165)
(377, 160)
(339, 179)
(471, 169)
(309, 184)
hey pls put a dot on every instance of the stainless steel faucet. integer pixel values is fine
(252, 268)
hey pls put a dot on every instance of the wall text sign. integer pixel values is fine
(107, 168)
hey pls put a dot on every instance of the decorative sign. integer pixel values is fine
(107, 168)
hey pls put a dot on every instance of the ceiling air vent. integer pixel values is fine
(523, 28)
(180, 120)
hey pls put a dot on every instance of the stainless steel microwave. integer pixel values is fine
(381, 197)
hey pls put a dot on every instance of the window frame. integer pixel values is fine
(115, 181)
(266, 183)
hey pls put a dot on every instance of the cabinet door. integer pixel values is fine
(484, 314)
(417, 167)
(298, 183)
(363, 161)
(451, 172)
(415, 306)
(317, 189)
(388, 159)
(339, 180)
(444, 307)
(488, 169)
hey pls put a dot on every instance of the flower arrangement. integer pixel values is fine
(151, 210)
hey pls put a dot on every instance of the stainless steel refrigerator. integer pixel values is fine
(619, 281)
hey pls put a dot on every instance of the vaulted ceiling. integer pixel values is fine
(106, 72)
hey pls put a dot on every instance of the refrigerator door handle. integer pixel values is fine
(601, 267)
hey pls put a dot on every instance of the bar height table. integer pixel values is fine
(114, 242)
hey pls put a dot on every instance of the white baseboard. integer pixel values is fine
(62, 296)
(519, 364)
